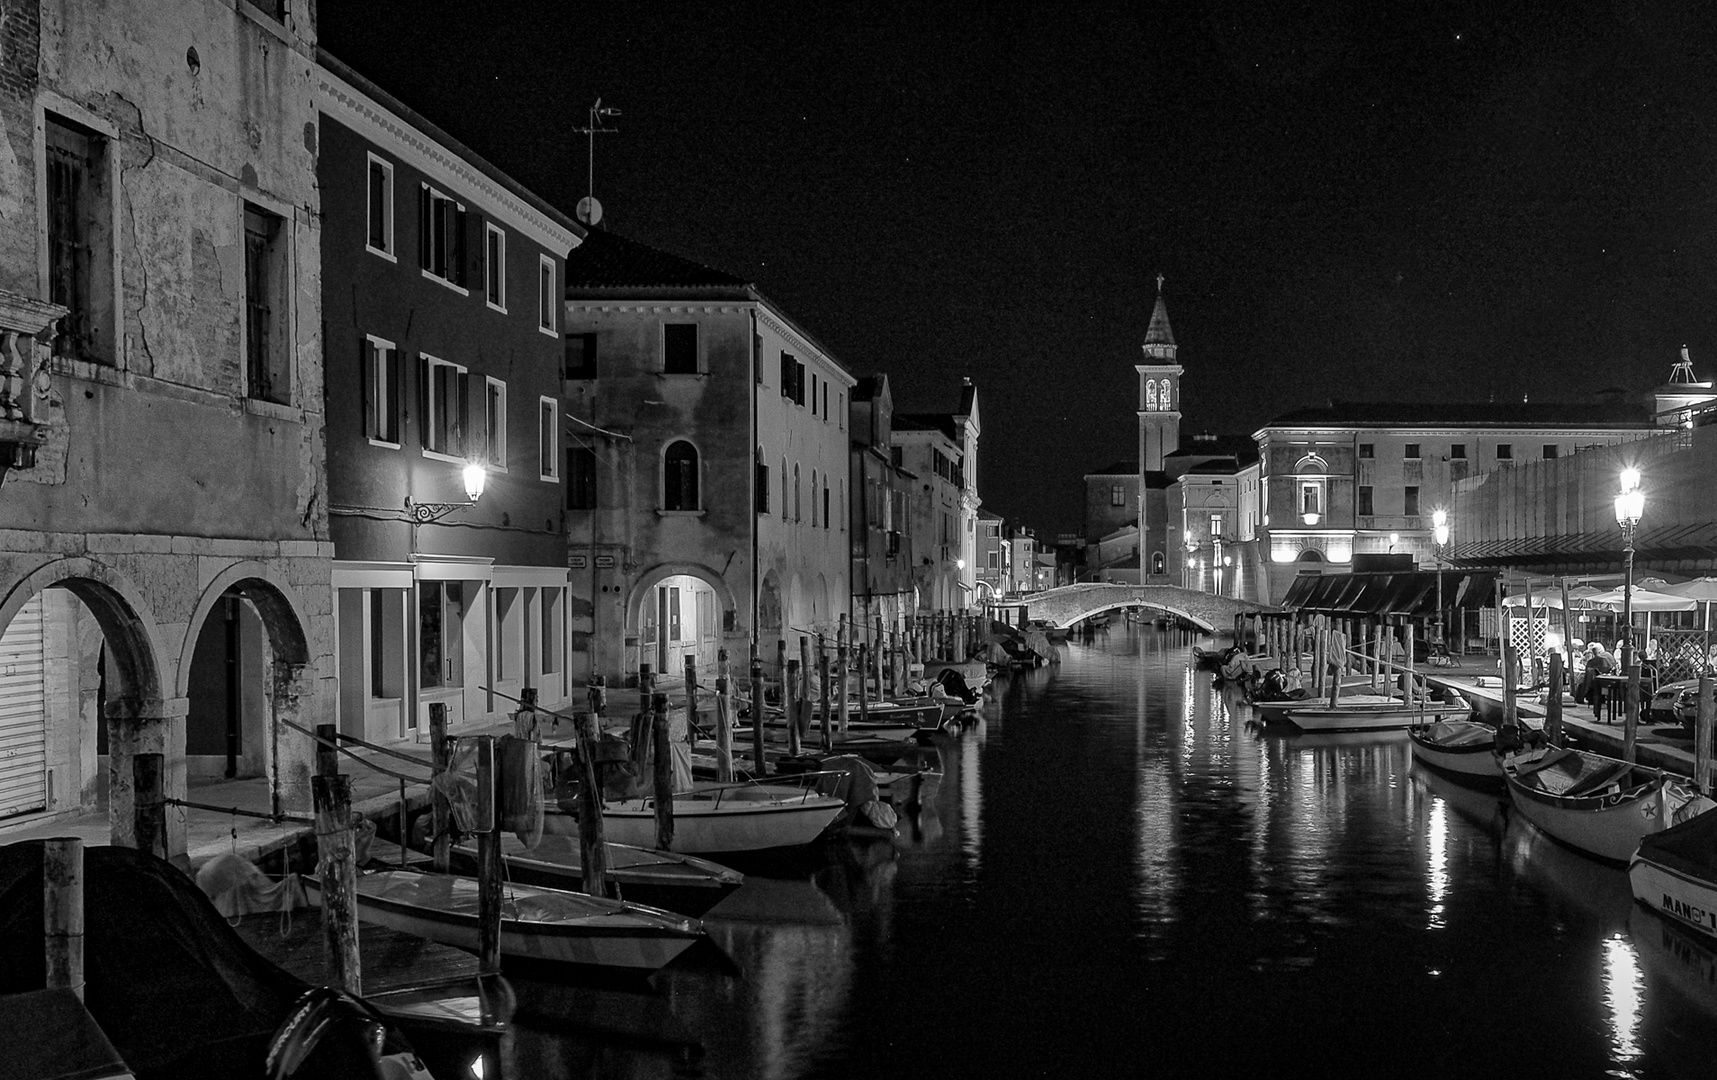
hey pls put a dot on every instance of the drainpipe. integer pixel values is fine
(756, 546)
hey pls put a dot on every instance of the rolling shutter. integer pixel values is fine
(23, 724)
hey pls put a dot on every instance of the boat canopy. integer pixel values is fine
(1690, 847)
(1402, 592)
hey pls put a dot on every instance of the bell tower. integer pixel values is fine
(1159, 391)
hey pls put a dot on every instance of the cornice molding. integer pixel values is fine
(655, 309)
(358, 110)
(769, 319)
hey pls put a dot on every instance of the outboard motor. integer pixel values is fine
(954, 684)
(332, 1034)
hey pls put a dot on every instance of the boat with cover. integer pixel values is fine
(669, 880)
(1464, 747)
(712, 819)
(1598, 804)
(1276, 712)
(537, 924)
(1390, 716)
(1674, 873)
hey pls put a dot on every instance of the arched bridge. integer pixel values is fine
(1064, 606)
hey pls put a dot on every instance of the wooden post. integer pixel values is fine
(863, 695)
(843, 664)
(806, 701)
(664, 774)
(758, 766)
(149, 807)
(327, 757)
(723, 719)
(593, 853)
(790, 706)
(62, 913)
(1510, 716)
(1702, 735)
(337, 872)
(1553, 701)
(490, 878)
(440, 810)
(646, 681)
(823, 682)
(691, 699)
(1630, 721)
(876, 659)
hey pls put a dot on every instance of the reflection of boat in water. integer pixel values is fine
(1597, 890)
(1678, 956)
(1483, 806)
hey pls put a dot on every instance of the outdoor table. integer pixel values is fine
(1615, 690)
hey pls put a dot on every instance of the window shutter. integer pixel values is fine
(370, 358)
(395, 376)
(462, 396)
(474, 250)
(786, 375)
(425, 226)
(424, 393)
(799, 384)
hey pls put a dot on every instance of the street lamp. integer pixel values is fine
(1440, 537)
(1630, 506)
(475, 477)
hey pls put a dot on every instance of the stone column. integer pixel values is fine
(291, 698)
(145, 726)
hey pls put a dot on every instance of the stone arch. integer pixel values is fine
(1311, 463)
(273, 599)
(771, 612)
(133, 640)
(1310, 555)
(649, 579)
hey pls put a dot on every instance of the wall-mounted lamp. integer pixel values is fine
(423, 513)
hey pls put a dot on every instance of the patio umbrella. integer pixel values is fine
(1646, 600)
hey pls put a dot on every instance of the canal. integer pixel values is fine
(1119, 874)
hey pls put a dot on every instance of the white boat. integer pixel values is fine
(1464, 747)
(1674, 873)
(718, 818)
(537, 924)
(1598, 804)
(1390, 716)
(1276, 712)
(661, 879)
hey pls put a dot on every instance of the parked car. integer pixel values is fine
(1676, 702)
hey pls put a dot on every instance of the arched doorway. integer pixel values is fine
(678, 611)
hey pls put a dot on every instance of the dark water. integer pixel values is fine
(1118, 875)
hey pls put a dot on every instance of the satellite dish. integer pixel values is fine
(589, 210)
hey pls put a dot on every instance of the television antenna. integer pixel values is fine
(1683, 372)
(589, 210)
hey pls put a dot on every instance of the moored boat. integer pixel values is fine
(1393, 716)
(1674, 873)
(662, 879)
(713, 819)
(537, 924)
(1464, 747)
(1598, 804)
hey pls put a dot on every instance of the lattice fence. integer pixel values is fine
(1680, 655)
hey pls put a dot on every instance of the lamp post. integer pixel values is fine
(1630, 506)
(1440, 537)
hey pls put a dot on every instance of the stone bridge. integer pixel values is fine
(1064, 606)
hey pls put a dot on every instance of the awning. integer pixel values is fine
(1407, 592)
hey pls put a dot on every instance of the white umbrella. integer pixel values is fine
(1643, 600)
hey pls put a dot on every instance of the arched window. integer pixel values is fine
(1159, 563)
(825, 502)
(786, 506)
(1150, 395)
(813, 495)
(1163, 397)
(680, 477)
(798, 497)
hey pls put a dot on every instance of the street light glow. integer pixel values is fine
(475, 478)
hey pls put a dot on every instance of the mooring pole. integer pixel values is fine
(723, 719)
(663, 771)
(337, 874)
(759, 767)
(62, 913)
(490, 878)
(440, 810)
(1702, 735)
(592, 852)
(1553, 702)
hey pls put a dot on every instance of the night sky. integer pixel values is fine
(1359, 201)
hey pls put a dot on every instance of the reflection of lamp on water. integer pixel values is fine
(475, 477)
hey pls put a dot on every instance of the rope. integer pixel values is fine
(335, 745)
(239, 813)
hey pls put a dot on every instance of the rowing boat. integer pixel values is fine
(661, 879)
(712, 819)
(1464, 747)
(1674, 872)
(1597, 804)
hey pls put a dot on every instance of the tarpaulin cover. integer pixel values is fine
(1690, 847)
(172, 985)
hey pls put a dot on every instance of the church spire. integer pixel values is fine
(1159, 339)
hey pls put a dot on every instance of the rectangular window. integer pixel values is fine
(554, 640)
(799, 384)
(495, 423)
(80, 240)
(1458, 451)
(760, 484)
(1550, 451)
(580, 357)
(813, 393)
(495, 267)
(789, 367)
(267, 339)
(546, 298)
(381, 390)
(440, 633)
(680, 348)
(1365, 506)
(1367, 450)
(1410, 450)
(813, 498)
(445, 408)
(1117, 495)
(441, 225)
(1505, 451)
(1216, 524)
(825, 502)
(581, 478)
(825, 402)
(1410, 502)
(548, 437)
(380, 240)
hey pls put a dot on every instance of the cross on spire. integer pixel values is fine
(1159, 283)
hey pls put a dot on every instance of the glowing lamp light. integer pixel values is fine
(475, 477)
(1440, 526)
(959, 564)
(1630, 504)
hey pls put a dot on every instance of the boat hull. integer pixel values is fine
(758, 818)
(1363, 718)
(1607, 821)
(442, 908)
(1472, 759)
(1679, 897)
(659, 879)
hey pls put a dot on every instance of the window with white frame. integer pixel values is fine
(495, 267)
(380, 233)
(545, 295)
(548, 438)
(445, 408)
(441, 222)
(381, 391)
(495, 417)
